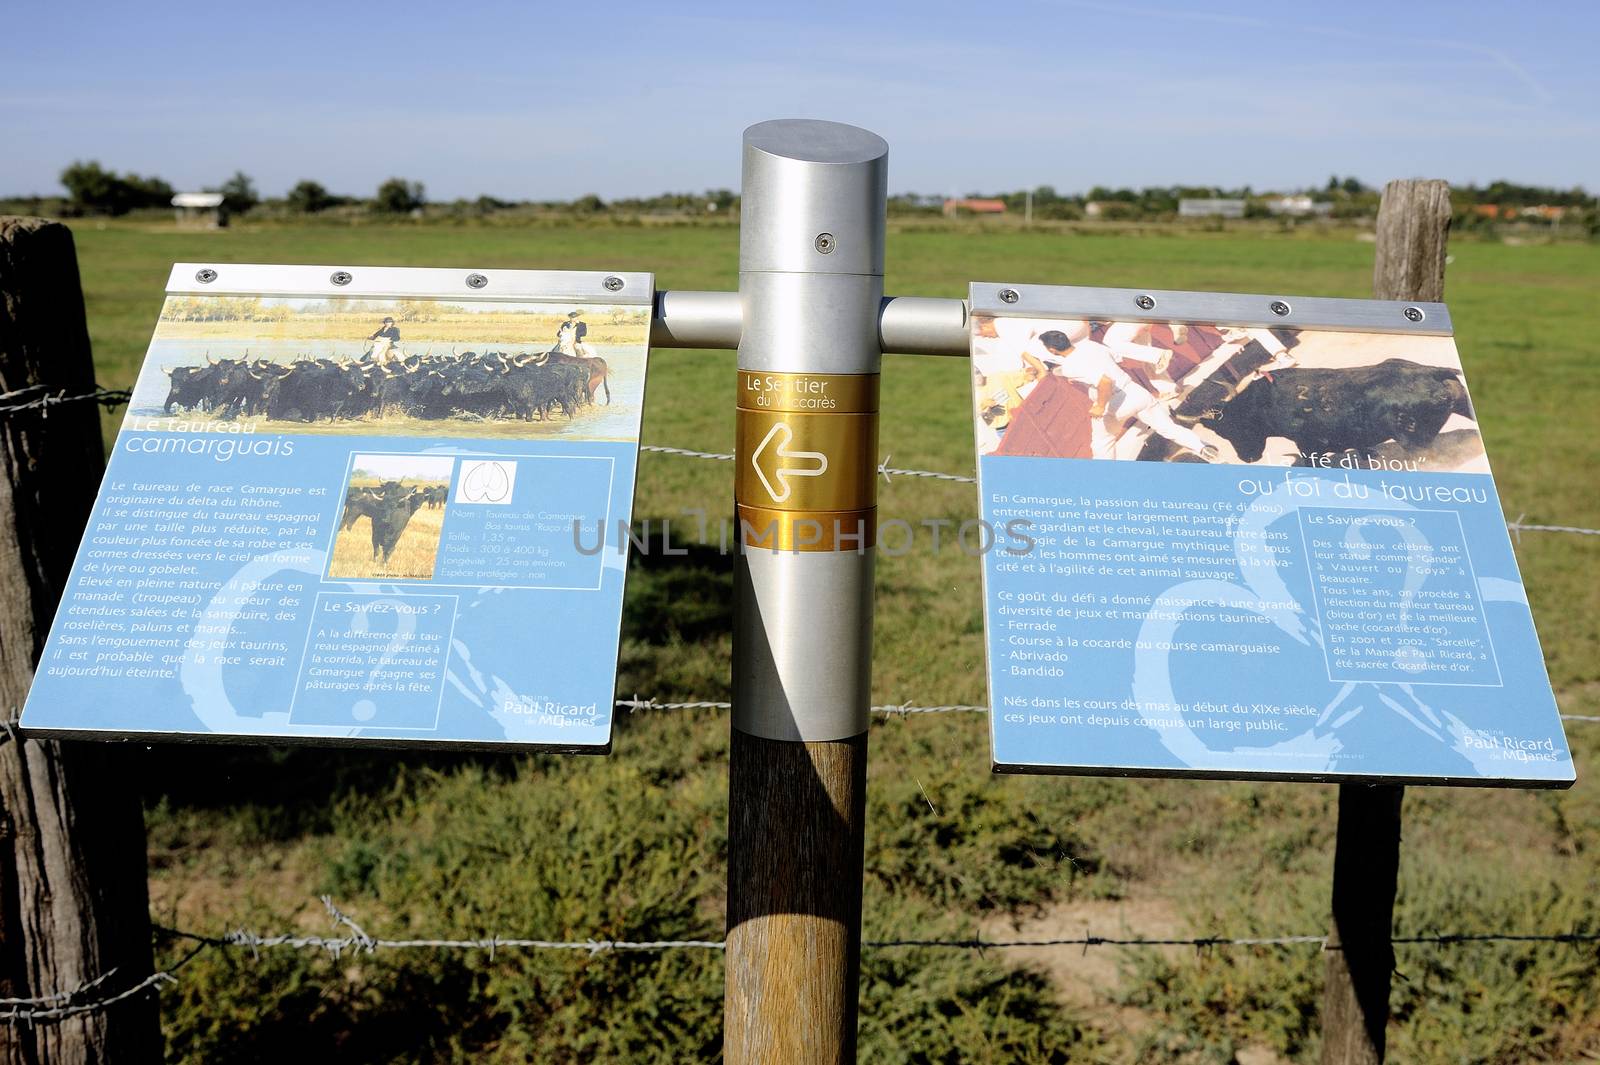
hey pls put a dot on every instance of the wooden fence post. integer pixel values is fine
(1413, 227)
(74, 904)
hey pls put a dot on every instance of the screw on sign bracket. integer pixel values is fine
(780, 472)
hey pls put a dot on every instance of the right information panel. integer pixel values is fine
(1268, 549)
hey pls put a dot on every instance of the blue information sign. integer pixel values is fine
(1250, 538)
(368, 505)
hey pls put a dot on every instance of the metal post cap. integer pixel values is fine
(813, 198)
(812, 140)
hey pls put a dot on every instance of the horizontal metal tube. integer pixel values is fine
(923, 325)
(907, 325)
(685, 319)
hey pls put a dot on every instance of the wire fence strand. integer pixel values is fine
(660, 449)
(890, 709)
(357, 940)
(38, 398)
(1517, 527)
(66, 1005)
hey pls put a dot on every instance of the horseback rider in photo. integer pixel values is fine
(385, 343)
(570, 337)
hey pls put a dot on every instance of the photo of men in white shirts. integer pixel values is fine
(1115, 397)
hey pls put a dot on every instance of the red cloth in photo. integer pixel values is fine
(1195, 349)
(1053, 422)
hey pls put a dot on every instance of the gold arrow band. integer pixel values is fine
(806, 462)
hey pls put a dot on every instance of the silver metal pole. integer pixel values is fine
(811, 291)
(907, 325)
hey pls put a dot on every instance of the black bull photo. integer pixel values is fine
(1321, 411)
(491, 385)
(389, 507)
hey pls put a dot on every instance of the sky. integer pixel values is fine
(627, 98)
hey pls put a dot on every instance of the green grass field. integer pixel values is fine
(633, 846)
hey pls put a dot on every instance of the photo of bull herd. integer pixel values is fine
(395, 367)
(492, 384)
(1196, 392)
(392, 517)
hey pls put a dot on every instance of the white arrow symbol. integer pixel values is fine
(780, 472)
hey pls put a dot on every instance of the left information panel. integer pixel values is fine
(362, 505)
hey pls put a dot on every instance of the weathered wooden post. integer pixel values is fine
(73, 900)
(811, 285)
(1413, 227)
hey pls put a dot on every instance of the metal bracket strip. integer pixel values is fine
(401, 282)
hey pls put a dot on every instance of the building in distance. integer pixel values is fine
(1212, 208)
(200, 209)
(1298, 205)
(952, 208)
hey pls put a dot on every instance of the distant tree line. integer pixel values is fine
(1339, 198)
(93, 189)
(255, 309)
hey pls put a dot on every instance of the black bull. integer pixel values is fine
(491, 385)
(1329, 410)
(389, 508)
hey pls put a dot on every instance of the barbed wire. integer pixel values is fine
(637, 703)
(62, 996)
(652, 703)
(1517, 527)
(337, 946)
(888, 471)
(356, 940)
(68, 1004)
(885, 469)
(902, 709)
(686, 452)
(37, 397)
(40, 398)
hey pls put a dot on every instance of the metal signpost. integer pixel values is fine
(811, 282)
